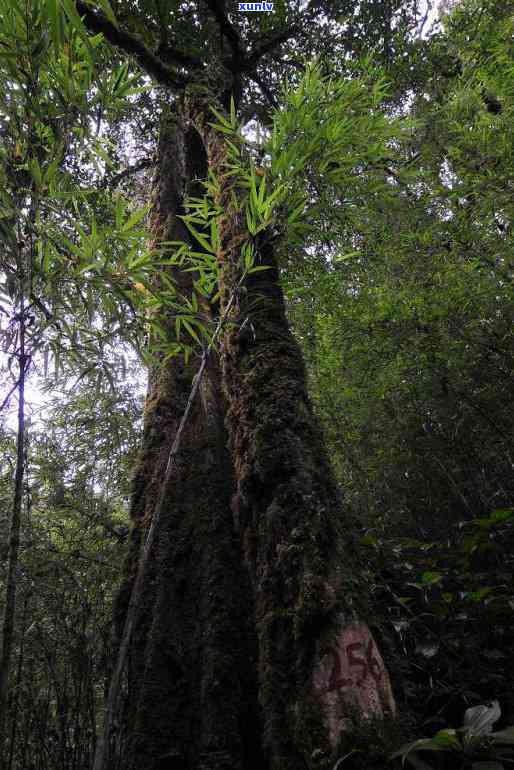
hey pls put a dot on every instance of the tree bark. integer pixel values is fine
(297, 550)
(300, 588)
(191, 694)
(249, 651)
(14, 535)
(16, 697)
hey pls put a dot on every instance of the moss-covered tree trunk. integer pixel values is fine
(249, 651)
(191, 694)
(318, 666)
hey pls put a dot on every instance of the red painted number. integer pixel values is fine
(336, 680)
(359, 656)
(367, 663)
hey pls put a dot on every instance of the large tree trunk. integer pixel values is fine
(191, 683)
(249, 651)
(318, 666)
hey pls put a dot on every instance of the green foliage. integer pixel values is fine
(409, 335)
(472, 746)
(409, 345)
(446, 607)
(328, 139)
(396, 250)
(72, 543)
(304, 149)
(72, 250)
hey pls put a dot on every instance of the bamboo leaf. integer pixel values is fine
(202, 240)
(107, 9)
(190, 329)
(222, 119)
(135, 218)
(76, 22)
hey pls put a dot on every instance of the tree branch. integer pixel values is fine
(295, 63)
(217, 9)
(114, 182)
(264, 88)
(8, 396)
(266, 46)
(134, 46)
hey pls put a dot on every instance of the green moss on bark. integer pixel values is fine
(192, 692)
(286, 499)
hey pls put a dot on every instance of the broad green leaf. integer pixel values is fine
(447, 739)
(422, 744)
(479, 720)
(430, 578)
(233, 116)
(53, 8)
(144, 259)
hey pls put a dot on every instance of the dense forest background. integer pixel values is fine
(388, 140)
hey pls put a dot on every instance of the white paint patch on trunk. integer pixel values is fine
(350, 678)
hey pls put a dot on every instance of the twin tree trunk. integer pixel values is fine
(248, 652)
